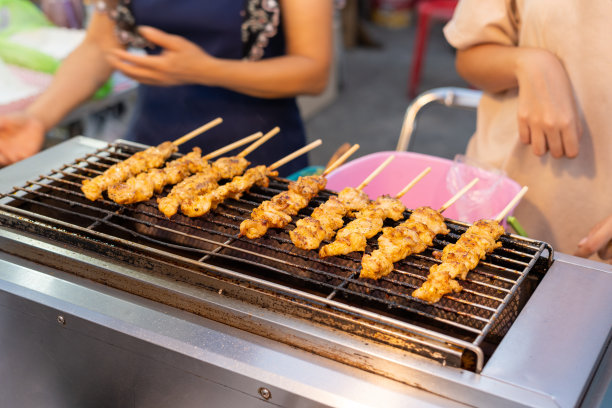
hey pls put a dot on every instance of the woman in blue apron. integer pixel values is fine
(242, 60)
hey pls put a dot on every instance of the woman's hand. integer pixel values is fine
(21, 135)
(547, 113)
(598, 240)
(178, 64)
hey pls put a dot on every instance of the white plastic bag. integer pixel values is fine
(482, 200)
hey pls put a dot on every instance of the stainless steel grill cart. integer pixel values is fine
(121, 306)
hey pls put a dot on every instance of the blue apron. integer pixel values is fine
(166, 113)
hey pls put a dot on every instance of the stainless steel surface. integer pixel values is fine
(120, 350)
(531, 366)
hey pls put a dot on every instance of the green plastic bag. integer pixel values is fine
(21, 15)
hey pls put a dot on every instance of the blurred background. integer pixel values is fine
(379, 46)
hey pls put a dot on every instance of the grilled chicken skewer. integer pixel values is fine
(143, 186)
(412, 236)
(458, 259)
(278, 211)
(139, 162)
(328, 217)
(368, 222)
(199, 205)
(206, 179)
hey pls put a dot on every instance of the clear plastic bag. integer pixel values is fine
(483, 199)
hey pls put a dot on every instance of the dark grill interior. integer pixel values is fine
(480, 315)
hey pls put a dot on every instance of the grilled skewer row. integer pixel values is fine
(368, 222)
(458, 259)
(201, 183)
(327, 218)
(199, 205)
(142, 187)
(278, 211)
(150, 158)
(396, 243)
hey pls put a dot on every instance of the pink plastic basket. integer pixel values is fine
(486, 199)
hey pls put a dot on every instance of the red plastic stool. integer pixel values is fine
(427, 10)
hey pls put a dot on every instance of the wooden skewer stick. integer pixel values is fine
(375, 172)
(295, 154)
(458, 195)
(413, 182)
(341, 160)
(232, 146)
(197, 131)
(258, 143)
(511, 204)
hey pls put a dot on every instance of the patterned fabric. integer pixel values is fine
(261, 21)
(125, 23)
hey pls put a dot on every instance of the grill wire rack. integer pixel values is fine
(460, 330)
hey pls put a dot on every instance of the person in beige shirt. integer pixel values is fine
(545, 117)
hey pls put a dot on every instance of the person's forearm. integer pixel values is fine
(279, 77)
(496, 68)
(77, 79)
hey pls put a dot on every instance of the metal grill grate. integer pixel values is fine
(483, 312)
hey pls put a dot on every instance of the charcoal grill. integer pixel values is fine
(271, 289)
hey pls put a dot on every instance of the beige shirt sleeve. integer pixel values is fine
(483, 21)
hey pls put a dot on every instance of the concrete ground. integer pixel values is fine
(372, 99)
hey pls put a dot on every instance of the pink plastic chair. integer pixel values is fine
(427, 11)
(485, 200)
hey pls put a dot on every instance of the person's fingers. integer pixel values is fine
(555, 144)
(606, 252)
(523, 128)
(143, 61)
(597, 240)
(10, 156)
(137, 73)
(538, 141)
(570, 135)
(158, 37)
(7, 124)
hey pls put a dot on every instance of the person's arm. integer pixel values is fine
(22, 133)
(80, 75)
(547, 111)
(599, 240)
(303, 70)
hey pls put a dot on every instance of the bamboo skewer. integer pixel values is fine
(458, 195)
(376, 172)
(197, 131)
(294, 155)
(413, 182)
(258, 143)
(232, 146)
(340, 161)
(511, 204)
